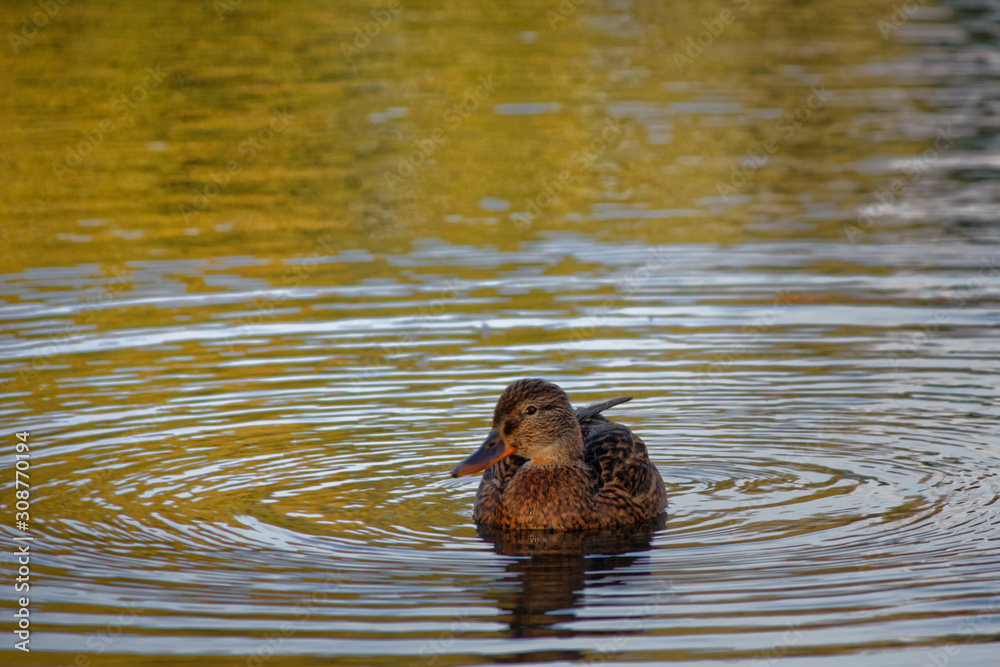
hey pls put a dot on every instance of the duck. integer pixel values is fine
(551, 467)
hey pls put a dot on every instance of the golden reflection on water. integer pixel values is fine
(253, 133)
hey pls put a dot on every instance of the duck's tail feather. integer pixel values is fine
(589, 411)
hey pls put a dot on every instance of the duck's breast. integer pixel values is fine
(491, 488)
(548, 497)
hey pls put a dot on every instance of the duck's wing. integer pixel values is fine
(629, 485)
(495, 479)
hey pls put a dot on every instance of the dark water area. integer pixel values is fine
(268, 266)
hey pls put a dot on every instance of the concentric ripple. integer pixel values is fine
(233, 490)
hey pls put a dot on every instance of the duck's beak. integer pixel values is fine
(492, 450)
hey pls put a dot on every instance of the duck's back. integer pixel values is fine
(630, 488)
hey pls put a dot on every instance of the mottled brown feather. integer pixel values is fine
(614, 482)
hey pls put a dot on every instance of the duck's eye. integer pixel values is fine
(530, 410)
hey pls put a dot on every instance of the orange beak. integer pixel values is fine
(492, 450)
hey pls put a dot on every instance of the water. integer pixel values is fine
(253, 328)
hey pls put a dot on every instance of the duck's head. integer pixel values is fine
(533, 419)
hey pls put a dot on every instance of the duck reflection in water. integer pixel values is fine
(553, 571)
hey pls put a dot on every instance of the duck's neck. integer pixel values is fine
(563, 449)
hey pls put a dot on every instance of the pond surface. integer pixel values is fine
(266, 275)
